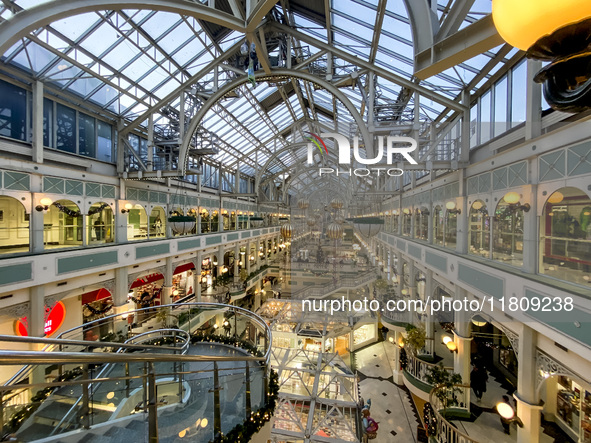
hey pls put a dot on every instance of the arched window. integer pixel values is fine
(406, 222)
(62, 225)
(565, 230)
(100, 223)
(14, 226)
(438, 226)
(508, 233)
(205, 221)
(479, 229)
(395, 218)
(451, 228)
(137, 223)
(422, 223)
(158, 219)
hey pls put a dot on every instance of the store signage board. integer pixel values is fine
(53, 322)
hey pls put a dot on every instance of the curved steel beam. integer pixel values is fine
(423, 23)
(21, 24)
(287, 74)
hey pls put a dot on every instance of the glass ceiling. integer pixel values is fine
(127, 61)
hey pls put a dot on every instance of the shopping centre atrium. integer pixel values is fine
(241, 220)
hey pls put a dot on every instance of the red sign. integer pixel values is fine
(55, 319)
(53, 322)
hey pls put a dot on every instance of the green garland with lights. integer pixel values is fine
(19, 417)
(204, 337)
(243, 433)
(430, 420)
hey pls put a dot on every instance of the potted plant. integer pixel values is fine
(446, 384)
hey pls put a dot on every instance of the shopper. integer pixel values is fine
(504, 422)
(478, 379)
(370, 426)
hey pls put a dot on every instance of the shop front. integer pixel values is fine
(365, 335)
(145, 292)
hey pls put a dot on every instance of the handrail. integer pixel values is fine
(85, 343)
(418, 368)
(446, 431)
(105, 371)
(52, 344)
(8, 358)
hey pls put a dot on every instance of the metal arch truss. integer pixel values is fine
(21, 24)
(276, 75)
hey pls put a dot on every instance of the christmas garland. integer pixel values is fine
(73, 213)
(18, 418)
(243, 433)
(98, 311)
(200, 337)
(430, 420)
(97, 210)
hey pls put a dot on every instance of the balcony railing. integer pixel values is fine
(458, 397)
(163, 387)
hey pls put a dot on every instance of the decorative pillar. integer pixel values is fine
(37, 307)
(220, 266)
(37, 227)
(121, 223)
(531, 237)
(247, 258)
(528, 408)
(462, 337)
(197, 277)
(166, 298)
(236, 263)
(121, 287)
(398, 371)
(462, 226)
(429, 326)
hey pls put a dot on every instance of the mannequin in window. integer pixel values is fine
(158, 226)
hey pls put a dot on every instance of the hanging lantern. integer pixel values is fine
(336, 203)
(303, 204)
(555, 32)
(286, 231)
(555, 198)
(367, 226)
(334, 231)
(181, 224)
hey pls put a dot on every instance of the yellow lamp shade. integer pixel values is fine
(511, 198)
(45, 201)
(523, 22)
(446, 339)
(557, 197)
(452, 346)
(451, 205)
(477, 205)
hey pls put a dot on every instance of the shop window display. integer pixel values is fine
(14, 226)
(508, 234)
(100, 224)
(565, 228)
(573, 408)
(157, 225)
(137, 223)
(479, 229)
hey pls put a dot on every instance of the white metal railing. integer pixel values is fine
(418, 368)
(446, 431)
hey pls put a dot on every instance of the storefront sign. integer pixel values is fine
(53, 322)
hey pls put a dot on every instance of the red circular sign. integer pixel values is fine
(55, 319)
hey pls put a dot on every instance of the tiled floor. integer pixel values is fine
(391, 406)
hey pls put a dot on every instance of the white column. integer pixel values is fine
(528, 409)
(533, 101)
(462, 226)
(531, 237)
(166, 297)
(236, 262)
(121, 287)
(197, 277)
(462, 337)
(37, 228)
(429, 326)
